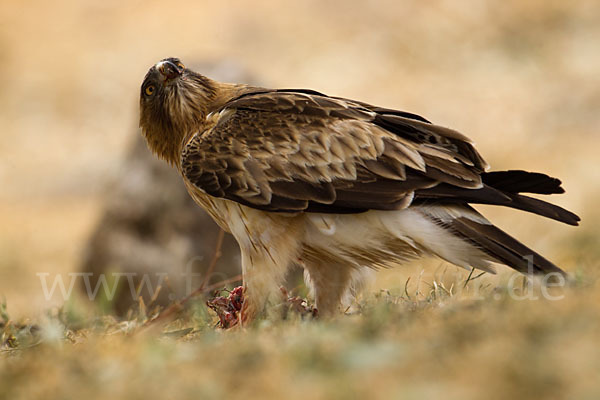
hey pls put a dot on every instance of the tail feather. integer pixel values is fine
(518, 181)
(501, 246)
(502, 188)
(543, 208)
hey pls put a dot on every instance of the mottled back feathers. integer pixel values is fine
(294, 151)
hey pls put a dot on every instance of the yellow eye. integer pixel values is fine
(149, 90)
(180, 65)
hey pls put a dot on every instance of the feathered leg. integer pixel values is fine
(268, 247)
(263, 274)
(329, 285)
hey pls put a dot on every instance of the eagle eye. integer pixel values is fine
(150, 90)
(180, 65)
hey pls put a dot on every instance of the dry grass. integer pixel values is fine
(520, 77)
(443, 337)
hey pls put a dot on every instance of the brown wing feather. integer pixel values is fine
(291, 151)
(287, 147)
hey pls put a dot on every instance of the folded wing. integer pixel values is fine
(294, 151)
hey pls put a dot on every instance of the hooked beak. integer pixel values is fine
(168, 70)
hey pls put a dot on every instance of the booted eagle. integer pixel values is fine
(334, 185)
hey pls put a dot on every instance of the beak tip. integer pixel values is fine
(168, 69)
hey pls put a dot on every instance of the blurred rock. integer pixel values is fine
(151, 232)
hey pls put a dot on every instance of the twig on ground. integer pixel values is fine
(406, 288)
(177, 306)
(469, 277)
(215, 258)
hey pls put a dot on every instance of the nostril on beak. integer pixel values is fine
(168, 69)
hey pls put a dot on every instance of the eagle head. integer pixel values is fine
(173, 103)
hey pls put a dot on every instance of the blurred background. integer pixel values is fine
(519, 77)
